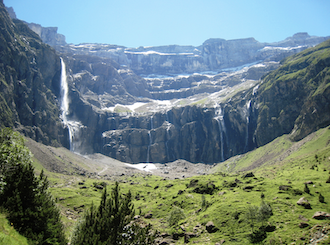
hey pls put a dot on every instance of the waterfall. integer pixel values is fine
(73, 126)
(247, 115)
(64, 93)
(148, 151)
(222, 130)
(167, 139)
(150, 139)
(152, 122)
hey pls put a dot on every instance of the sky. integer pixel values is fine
(134, 23)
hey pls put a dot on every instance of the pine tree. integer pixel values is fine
(111, 223)
(29, 205)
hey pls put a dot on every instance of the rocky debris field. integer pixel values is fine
(61, 160)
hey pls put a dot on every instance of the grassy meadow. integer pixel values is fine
(182, 207)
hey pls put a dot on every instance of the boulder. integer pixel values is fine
(136, 217)
(188, 235)
(148, 216)
(320, 215)
(303, 225)
(210, 227)
(221, 242)
(304, 202)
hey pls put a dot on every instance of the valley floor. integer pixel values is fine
(206, 195)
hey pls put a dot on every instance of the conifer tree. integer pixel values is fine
(111, 223)
(25, 197)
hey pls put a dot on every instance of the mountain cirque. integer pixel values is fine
(160, 104)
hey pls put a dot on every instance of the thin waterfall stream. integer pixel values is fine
(73, 126)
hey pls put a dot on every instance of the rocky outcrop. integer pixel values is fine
(48, 35)
(29, 83)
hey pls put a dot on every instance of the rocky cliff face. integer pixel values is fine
(29, 81)
(213, 55)
(160, 104)
(239, 114)
(48, 35)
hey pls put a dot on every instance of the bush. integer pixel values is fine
(208, 188)
(257, 236)
(264, 212)
(175, 216)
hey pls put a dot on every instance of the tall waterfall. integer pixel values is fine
(150, 138)
(148, 150)
(73, 126)
(247, 115)
(64, 93)
(168, 136)
(222, 130)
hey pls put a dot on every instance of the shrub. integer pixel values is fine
(205, 204)
(264, 212)
(175, 216)
(257, 236)
(208, 188)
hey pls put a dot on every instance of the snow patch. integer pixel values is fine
(280, 48)
(132, 107)
(143, 166)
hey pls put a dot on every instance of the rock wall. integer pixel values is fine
(29, 83)
(280, 103)
(48, 35)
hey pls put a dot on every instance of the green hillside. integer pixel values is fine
(224, 196)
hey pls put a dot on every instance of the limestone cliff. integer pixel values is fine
(29, 82)
(212, 127)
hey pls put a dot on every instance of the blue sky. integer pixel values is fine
(134, 23)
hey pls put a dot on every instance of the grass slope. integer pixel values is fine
(278, 163)
(8, 235)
